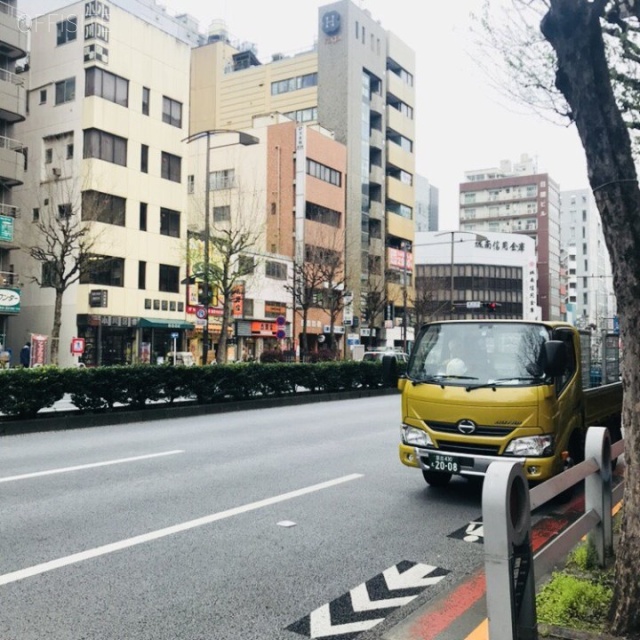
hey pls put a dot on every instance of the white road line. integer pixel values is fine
(93, 465)
(44, 567)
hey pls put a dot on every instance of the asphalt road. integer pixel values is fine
(235, 526)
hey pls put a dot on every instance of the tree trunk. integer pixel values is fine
(574, 30)
(55, 329)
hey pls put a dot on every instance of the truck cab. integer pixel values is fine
(478, 391)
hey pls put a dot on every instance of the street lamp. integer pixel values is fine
(478, 238)
(244, 139)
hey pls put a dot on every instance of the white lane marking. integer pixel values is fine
(21, 574)
(92, 465)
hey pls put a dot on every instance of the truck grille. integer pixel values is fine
(472, 449)
(481, 430)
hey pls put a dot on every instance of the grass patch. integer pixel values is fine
(573, 601)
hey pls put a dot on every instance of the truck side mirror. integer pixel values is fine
(554, 358)
(389, 371)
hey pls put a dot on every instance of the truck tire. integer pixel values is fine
(436, 478)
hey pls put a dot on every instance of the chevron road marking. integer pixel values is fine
(368, 604)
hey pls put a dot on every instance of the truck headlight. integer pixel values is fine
(538, 446)
(415, 437)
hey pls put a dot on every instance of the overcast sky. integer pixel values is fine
(461, 122)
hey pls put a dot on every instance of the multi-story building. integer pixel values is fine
(590, 299)
(358, 82)
(467, 275)
(13, 106)
(516, 198)
(285, 261)
(108, 115)
(427, 209)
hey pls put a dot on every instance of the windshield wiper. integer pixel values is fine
(491, 384)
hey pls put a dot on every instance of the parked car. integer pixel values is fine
(376, 356)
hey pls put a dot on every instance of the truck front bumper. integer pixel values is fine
(463, 464)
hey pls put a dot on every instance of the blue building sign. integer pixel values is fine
(6, 228)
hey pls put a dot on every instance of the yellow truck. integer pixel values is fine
(477, 391)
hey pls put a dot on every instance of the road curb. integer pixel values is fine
(74, 419)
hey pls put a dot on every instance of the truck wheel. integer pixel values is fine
(436, 479)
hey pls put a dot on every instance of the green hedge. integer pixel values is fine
(24, 392)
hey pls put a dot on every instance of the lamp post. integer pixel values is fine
(405, 245)
(244, 139)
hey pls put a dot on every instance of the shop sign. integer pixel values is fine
(9, 300)
(6, 228)
(264, 329)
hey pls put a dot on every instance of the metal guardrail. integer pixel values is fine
(510, 562)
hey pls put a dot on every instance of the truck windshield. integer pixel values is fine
(478, 354)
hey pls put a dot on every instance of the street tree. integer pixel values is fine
(233, 241)
(581, 59)
(375, 301)
(62, 241)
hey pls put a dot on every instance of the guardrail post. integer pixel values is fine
(597, 491)
(508, 557)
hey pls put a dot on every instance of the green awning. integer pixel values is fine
(161, 323)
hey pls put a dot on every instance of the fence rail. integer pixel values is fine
(510, 564)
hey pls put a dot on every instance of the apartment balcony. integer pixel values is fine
(13, 32)
(11, 162)
(376, 174)
(376, 210)
(377, 103)
(13, 101)
(376, 139)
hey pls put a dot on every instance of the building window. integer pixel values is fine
(144, 158)
(65, 90)
(143, 216)
(169, 279)
(65, 211)
(109, 86)
(222, 214)
(105, 270)
(191, 184)
(48, 156)
(246, 265)
(276, 270)
(170, 223)
(293, 84)
(142, 274)
(70, 151)
(67, 30)
(146, 93)
(224, 179)
(36, 214)
(171, 167)
(43, 96)
(172, 112)
(324, 173)
(104, 207)
(247, 308)
(322, 215)
(47, 275)
(105, 146)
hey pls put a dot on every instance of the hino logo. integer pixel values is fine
(466, 426)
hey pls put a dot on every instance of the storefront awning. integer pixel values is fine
(161, 323)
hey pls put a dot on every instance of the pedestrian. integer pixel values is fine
(25, 355)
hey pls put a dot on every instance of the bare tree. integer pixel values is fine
(333, 301)
(232, 236)
(375, 301)
(590, 73)
(62, 240)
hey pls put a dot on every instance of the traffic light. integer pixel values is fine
(201, 296)
(491, 306)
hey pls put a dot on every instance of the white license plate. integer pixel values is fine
(446, 464)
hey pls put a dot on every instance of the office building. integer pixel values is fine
(427, 208)
(108, 112)
(462, 274)
(13, 109)
(516, 198)
(590, 299)
(357, 81)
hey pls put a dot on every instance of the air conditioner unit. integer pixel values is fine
(56, 171)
